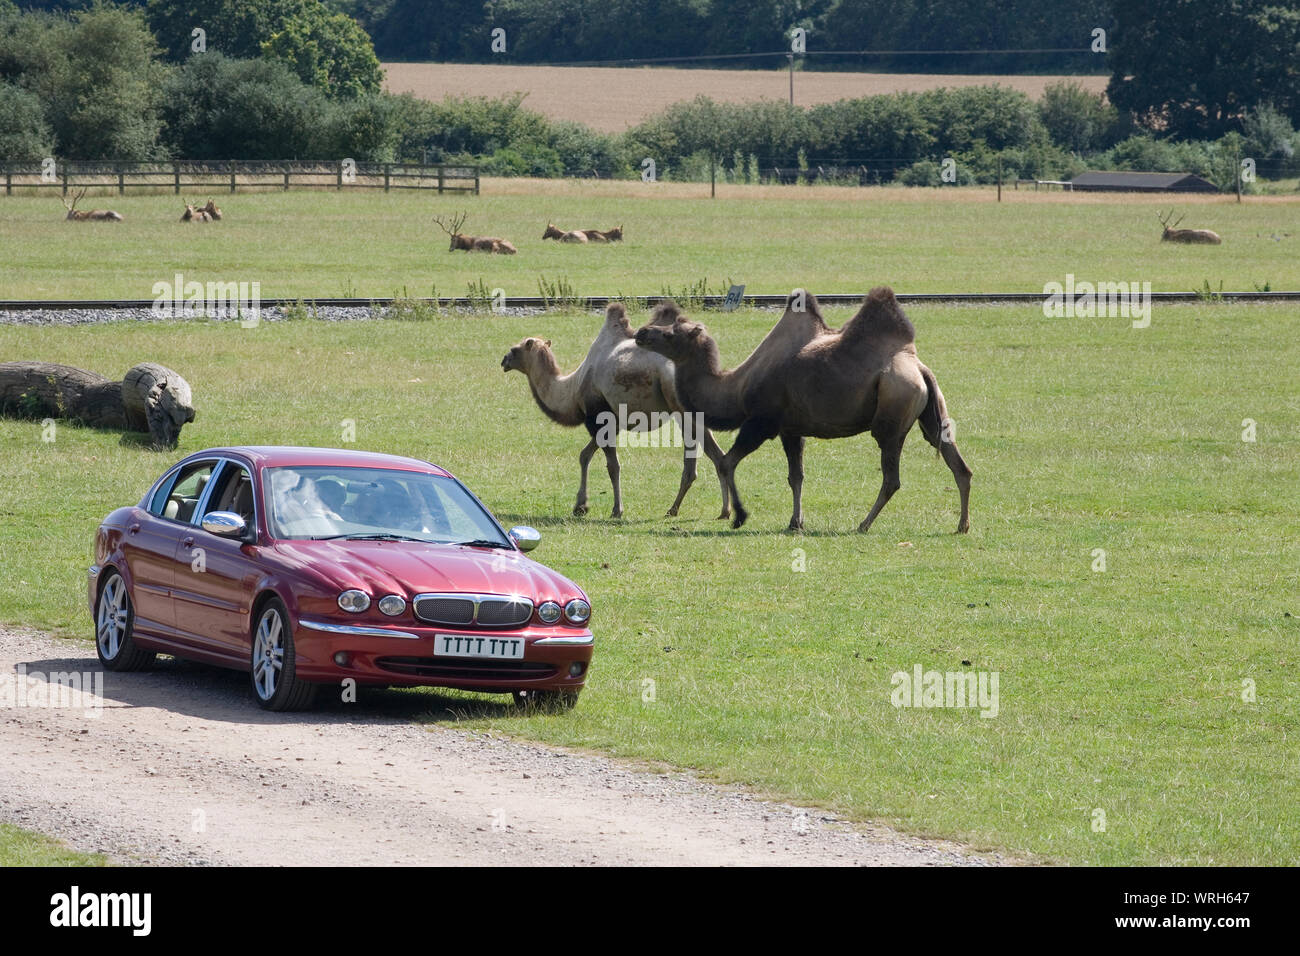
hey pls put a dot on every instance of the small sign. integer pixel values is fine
(734, 296)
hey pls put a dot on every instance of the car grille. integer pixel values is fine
(467, 670)
(473, 610)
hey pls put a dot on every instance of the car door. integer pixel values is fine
(215, 575)
(149, 546)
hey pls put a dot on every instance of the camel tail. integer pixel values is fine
(935, 412)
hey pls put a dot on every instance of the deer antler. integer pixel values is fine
(75, 199)
(457, 222)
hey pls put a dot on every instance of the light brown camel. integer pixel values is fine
(617, 386)
(862, 377)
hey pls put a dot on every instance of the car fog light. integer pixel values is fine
(392, 605)
(549, 612)
(354, 601)
(576, 669)
(577, 611)
(342, 659)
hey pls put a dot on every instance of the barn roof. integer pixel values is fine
(1143, 182)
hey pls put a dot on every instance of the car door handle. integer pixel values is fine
(132, 529)
(186, 542)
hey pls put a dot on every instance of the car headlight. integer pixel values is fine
(577, 611)
(392, 604)
(549, 612)
(354, 601)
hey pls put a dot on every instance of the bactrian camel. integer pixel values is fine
(616, 384)
(863, 377)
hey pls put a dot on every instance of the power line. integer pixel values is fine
(787, 53)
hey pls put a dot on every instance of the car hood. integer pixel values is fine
(408, 568)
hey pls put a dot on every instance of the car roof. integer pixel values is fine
(276, 456)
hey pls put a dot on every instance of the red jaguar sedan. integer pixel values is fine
(313, 566)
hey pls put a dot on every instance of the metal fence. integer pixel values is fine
(232, 175)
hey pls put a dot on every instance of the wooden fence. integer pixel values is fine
(231, 175)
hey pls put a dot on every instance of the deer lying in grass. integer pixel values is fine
(575, 235)
(98, 215)
(195, 213)
(1174, 234)
(212, 209)
(609, 235)
(459, 240)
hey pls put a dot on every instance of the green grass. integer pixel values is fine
(1119, 690)
(768, 238)
(23, 848)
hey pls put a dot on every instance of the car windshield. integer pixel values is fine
(318, 502)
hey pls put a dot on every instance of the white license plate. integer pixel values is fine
(488, 645)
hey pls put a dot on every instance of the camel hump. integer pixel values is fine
(666, 313)
(881, 315)
(801, 300)
(616, 318)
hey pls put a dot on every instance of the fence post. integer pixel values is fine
(65, 177)
(9, 181)
(475, 180)
(286, 177)
(338, 181)
(176, 177)
(121, 180)
(388, 168)
(441, 171)
(233, 165)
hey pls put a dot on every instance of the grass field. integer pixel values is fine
(771, 239)
(612, 99)
(20, 847)
(1121, 690)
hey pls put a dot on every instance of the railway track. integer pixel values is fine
(600, 301)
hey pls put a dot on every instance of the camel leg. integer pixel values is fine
(584, 459)
(961, 472)
(752, 435)
(690, 459)
(891, 450)
(611, 465)
(715, 455)
(793, 445)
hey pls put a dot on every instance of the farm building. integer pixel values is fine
(1142, 182)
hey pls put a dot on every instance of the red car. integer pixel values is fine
(314, 566)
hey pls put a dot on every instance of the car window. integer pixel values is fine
(233, 492)
(180, 502)
(325, 502)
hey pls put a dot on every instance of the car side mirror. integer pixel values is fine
(225, 524)
(524, 537)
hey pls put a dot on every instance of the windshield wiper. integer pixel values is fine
(375, 536)
(484, 543)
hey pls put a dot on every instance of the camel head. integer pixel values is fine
(523, 356)
(677, 341)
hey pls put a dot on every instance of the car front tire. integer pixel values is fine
(273, 666)
(114, 628)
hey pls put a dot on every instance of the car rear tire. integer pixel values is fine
(546, 701)
(274, 666)
(114, 628)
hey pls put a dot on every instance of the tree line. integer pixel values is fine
(284, 79)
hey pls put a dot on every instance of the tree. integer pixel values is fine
(1192, 68)
(1076, 119)
(25, 137)
(328, 50)
(105, 106)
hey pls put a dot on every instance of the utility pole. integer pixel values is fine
(790, 57)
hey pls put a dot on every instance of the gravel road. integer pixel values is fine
(180, 767)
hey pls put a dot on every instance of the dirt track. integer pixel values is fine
(180, 767)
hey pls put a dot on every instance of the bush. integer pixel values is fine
(218, 108)
(1077, 120)
(1271, 141)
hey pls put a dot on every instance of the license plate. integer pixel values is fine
(463, 645)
